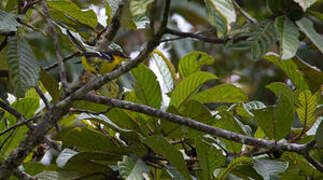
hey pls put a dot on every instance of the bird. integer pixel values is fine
(99, 62)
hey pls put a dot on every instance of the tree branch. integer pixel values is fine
(61, 68)
(313, 161)
(42, 96)
(269, 144)
(18, 125)
(11, 110)
(78, 53)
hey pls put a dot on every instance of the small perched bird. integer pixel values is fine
(100, 62)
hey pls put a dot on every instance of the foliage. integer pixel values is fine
(248, 69)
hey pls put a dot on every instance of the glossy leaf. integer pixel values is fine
(139, 6)
(307, 106)
(8, 22)
(188, 87)
(132, 168)
(192, 63)
(23, 68)
(209, 158)
(263, 38)
(69, 8)
(161, 146)
(305, 3)
(214, 18)
(233, 164)
(279, 89)
(276, 121)
(289, 34)
(50, 83)
(307, 27)
(269, 169)
(225, 93)
(147, 88)
(319, 135)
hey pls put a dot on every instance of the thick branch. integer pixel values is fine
(197, 125)
(61, 68)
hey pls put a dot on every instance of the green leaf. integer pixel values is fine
(289, 34)
(33, 168)
(165, 68)
(276, 121)
(263, 38)
(132, 168)
(319, 135)
(224, 9)
(209, 158)
(27, 107)
(279, 88)
(214, 18)
(85, 139)
(305, 3)
(291, 70)
(303, 75)
(23, 68)
(69, 8)
(269, 169)
(225, 93)
(139, 6)
(307, 106)
(244, 109)
(56, 175)
(64, 156)
(147, 88)
(142, 21)
(8, 22)
(161, 146)
(307, 27)
(192, 63)
(233, 164)
(50, 84)
(189, 86)
(174, 174)
(123, 119)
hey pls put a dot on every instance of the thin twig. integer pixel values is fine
(11, 110)
(313, 161)
(78, 53)
(74, 110)
(18, 125)
(42, 96)
(6, 139)
(61, 68)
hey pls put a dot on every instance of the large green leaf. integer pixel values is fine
(192, 63)
(132, 168)
(56, 175)
(222, 8)
(307, 27)
(139, 6)
(23, 68)
(279, 88)
(161, 146)
(303, 75)
(307, 106)
(214, 18)
(263, 38)
(85, 139)
(69, 8)
(50, 83)
(269, 169)
(233, 164)
(209, 159)
(8, 22)
(305, 3)
(165, 68)
(289, 34)
(276, 121)
(27, 107)
(225, 93)
(189, 86)
(319, 135)
(147, 88)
